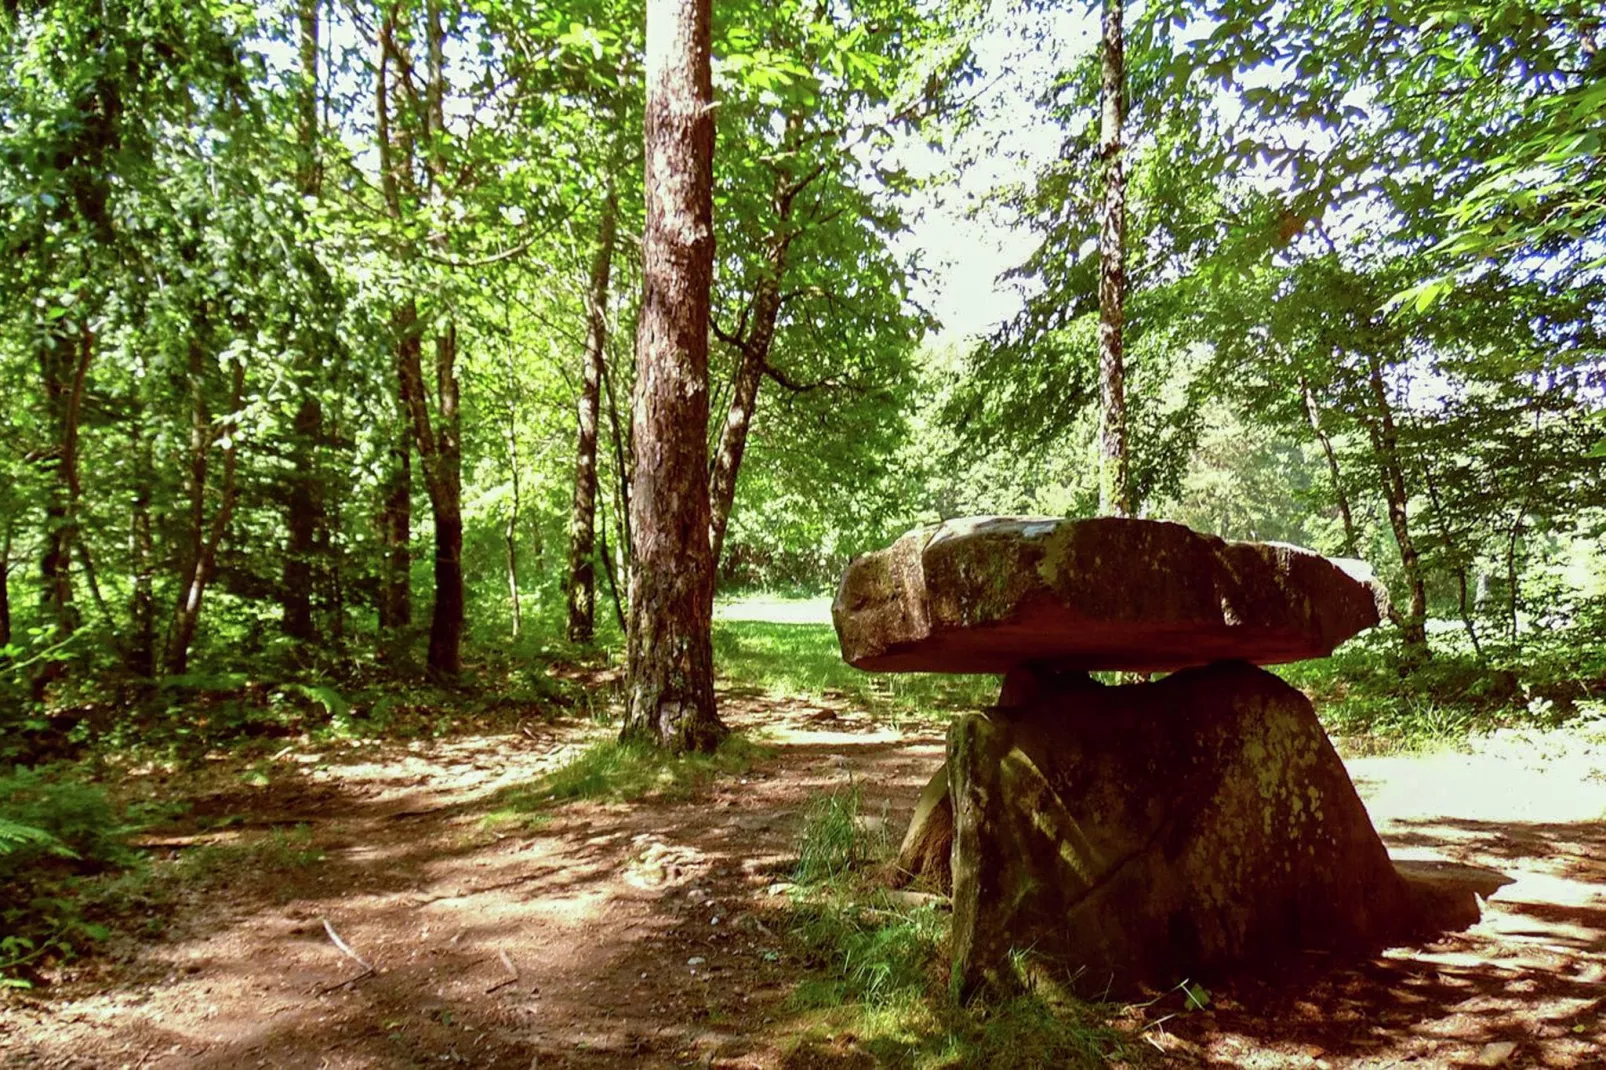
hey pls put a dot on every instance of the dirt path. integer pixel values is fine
(626, 935)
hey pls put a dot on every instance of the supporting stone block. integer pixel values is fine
(1123, 838)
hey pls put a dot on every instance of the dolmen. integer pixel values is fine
(1118, 839)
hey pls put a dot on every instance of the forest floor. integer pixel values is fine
(654, 933)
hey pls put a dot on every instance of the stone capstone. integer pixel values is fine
(1117, 839)
(986, 594)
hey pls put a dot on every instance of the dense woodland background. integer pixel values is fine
(317, 328)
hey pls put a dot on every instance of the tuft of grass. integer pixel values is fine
(880, 970)
(282, 850)
(625, 772)
(833, 842)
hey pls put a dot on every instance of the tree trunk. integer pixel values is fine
(395, 601)
(1115, 483)
(439, 443)
(1458, 560)
(202, 561)
(611, 574)
(440, 454)
(446, 620)
(733, 439)
(5, 591)
(1391, 472)
(670, 694)
(396, 526)
(510, 531)
(583, 515)
(305, 511)
(64, 364)
(334, 524)
(304, 518)
(446, 624)
(623, 462)
(511, 545)
(754, 347)
(1513, 596)
(1314, 413)
(141, 652)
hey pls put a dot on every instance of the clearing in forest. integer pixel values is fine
(453, 902)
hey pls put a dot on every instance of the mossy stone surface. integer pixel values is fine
(1118, 838)
(988, 594)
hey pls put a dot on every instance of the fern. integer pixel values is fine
(14, 835)
(334, 704)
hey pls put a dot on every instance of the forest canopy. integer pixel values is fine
(319, 328)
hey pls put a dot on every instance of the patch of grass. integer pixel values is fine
(625, 772)
(790, 660)
(880, 970)
(1367, 695)
(833, 843)
(282, 850)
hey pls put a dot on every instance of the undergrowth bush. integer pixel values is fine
(55, 830)
(1366, 691)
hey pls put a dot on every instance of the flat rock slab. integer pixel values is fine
(987, 594)
(1117, 839)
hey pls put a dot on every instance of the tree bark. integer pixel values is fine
(141, 653)
(611, 574)
(303, 520)
(623, 462)
(64, 364)
(1391, 473)
(395, 601)
(582, 588)
(1513, 594)
(1314, 413)
(396, 519)
(439, 442)
(510, 531)
(1115, 483)
(5, 590)
(670, 694)
(1459, 563)
(305, 511)
(440, 454)
(202, 561)
(738, 419)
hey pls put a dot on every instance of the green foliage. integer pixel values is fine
(15, 836)
(1367, 693)
(56, 832)
(53, 814)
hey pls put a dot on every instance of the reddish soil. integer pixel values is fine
(645, 934)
